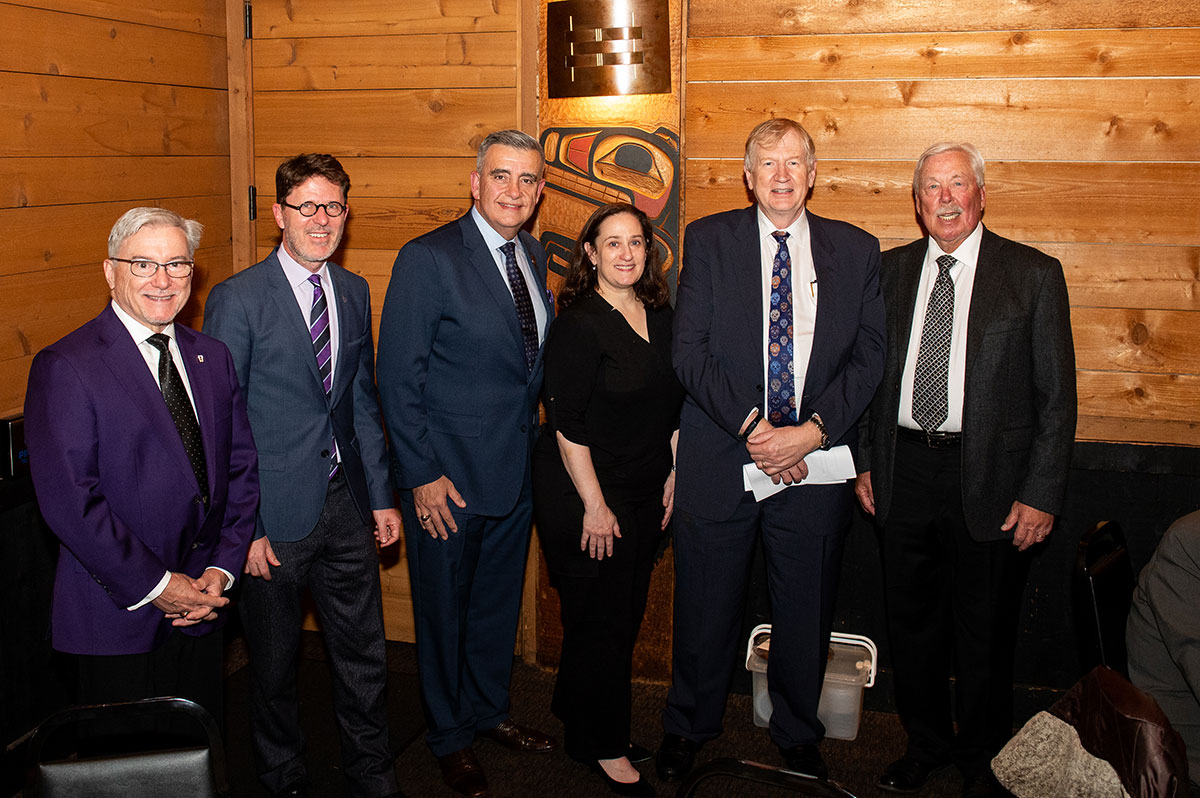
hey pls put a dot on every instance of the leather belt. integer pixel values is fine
(934, 440)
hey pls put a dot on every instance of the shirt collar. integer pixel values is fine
(138, 331)
(967, 252)
(490, 237)
(295, 273)
(796, 230)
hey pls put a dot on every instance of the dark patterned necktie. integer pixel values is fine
(781, 390)
(930, 404)
(318, 328)
(181, 410)
(520, 292)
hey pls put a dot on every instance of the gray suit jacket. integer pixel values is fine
(1019, 403)
(256, 315)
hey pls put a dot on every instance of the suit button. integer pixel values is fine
(758, 388)
(325, 453)
(524, 428)
(194, 545)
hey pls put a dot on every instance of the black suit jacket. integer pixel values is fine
(718, 346)
(1019, 402)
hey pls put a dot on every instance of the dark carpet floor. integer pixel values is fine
(855, 765)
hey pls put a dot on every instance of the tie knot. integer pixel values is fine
(159, 341)
(315, 279)
(509, 249)
(946, 262)
(780, 235)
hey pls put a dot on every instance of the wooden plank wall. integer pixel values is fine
(104, 106)
(402, 94)
(1088, 114)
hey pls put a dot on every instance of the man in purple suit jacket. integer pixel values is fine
(154, 508)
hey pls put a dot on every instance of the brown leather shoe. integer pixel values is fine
(520, 738)
(462, 773)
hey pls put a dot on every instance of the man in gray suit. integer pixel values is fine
(963, 463)
(299, 328)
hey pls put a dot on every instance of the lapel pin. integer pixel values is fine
(199, 358)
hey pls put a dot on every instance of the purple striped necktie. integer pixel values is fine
(318, 328)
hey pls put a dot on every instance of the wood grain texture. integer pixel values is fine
(52, 43)
(378, 223)
(772, 17)
(68, 180)
(386, 177)
(428, 122)
(195, 16)
(1115, 276)
(56, 237)
(1106, 429)
(314, 18)
(1159, 397)
(1033, 202)
(50, 115)
(1137, 340)
(386, 62)
(1012, 119)
(241, 135)
(946, 54)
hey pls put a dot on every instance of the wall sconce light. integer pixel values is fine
(596, 48)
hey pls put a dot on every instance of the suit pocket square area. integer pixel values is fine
(463, 425)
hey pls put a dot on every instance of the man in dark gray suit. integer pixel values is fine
(299, 328)
(963, 463)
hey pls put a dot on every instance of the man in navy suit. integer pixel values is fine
(153, 514)
(779, 343)
(299, 328)
(460, 368)
(963, 472)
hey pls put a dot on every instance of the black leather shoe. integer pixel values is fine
(908, 774)
(637, 754)
(462, 773)
(675, 757)
(984, 786)
(519, 738)
(805, 759)
(636, 789)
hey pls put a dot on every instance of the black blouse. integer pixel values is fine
(609, 389)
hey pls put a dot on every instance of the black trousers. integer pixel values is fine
(601, 616)
(339, 565)
(951, 609)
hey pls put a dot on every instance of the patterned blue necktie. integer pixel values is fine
(930, 404)
(781, 389)
(524, 305)
(318, 328)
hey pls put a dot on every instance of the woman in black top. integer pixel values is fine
(603, 476)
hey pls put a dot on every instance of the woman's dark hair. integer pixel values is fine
(651, 288)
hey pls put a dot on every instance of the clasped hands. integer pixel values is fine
(779, 452)
(187, 601)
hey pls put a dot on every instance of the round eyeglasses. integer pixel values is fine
(140, 267)
(332, 209)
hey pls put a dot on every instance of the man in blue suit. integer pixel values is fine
(299, 328)
(144, 467)
(779, 342)
(460, 368)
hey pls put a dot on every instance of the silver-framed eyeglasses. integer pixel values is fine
(332, 209)
(140, 267)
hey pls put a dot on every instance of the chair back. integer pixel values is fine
(130, 766)
(1101, 595)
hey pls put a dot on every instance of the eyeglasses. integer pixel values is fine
(332, 209)
(148, 268)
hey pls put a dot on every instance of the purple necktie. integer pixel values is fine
(520, 292)
(318, 328)
(781, 390)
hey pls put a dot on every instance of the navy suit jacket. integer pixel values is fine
(255, 313)
(1019, 404)
(456, 393)
(115, 485)
(718, 347)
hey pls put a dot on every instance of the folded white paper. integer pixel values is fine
(824, 468)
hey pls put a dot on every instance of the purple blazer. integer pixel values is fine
(114, 483)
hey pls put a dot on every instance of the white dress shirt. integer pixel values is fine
(962, 273)
(494, 242)
(297, 277)
(140, 334)
(804, 297)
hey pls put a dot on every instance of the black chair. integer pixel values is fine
(193, 767)
(1103, 589)
(744, 770)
